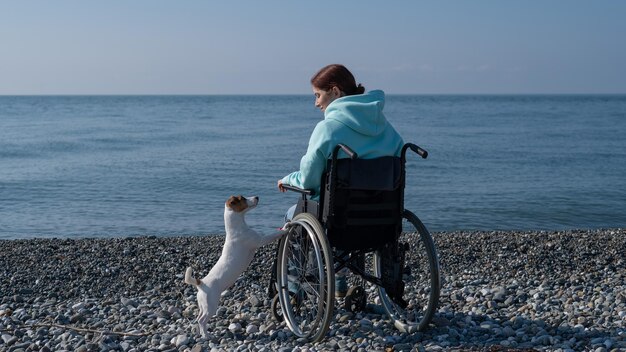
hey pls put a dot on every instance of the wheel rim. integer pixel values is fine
(422, 290)
(302, 272)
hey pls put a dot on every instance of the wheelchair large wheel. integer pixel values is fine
(306, 279)
(420, 276)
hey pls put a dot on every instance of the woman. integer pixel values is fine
(351, 117)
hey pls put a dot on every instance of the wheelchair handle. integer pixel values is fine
(421, 152)
(308, 192)
(351, 153)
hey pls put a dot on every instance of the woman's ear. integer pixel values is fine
(337, 92)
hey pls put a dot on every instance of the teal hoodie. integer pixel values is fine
(356, 121)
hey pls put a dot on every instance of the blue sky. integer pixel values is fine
(274, 47)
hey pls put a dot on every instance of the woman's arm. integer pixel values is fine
(313, 163)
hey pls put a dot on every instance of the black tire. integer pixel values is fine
(355, 299)
(422, 280)
(277, 311)
(305, 267)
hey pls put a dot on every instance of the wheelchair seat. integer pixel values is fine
(361, 202)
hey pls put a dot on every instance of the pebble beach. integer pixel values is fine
(501, 291)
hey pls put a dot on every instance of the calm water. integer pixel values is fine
(73, 166)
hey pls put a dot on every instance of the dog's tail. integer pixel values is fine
(190, 279)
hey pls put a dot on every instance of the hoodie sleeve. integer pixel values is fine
(313, 163)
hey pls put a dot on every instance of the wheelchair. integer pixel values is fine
(359, 223)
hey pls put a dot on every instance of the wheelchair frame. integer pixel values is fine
(306, 264)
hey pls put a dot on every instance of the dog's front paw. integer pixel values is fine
(282, 231)
(287, 226)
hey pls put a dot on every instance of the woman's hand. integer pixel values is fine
(280, 186)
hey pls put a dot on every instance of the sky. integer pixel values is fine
(274, 47)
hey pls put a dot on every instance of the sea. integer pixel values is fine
(118, 166)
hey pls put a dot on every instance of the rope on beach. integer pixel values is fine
(101, 332)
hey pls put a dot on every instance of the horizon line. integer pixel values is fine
(290, 94)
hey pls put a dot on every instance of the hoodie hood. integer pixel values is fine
(362, 112)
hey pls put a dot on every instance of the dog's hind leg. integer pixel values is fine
(212, 303)
(203, 318)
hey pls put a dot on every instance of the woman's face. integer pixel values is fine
(325, 97)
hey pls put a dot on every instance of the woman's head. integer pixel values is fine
(332, 82)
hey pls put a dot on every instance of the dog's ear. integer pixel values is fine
(236, 203)
(230, 201)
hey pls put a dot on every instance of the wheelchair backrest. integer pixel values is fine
(362, 202)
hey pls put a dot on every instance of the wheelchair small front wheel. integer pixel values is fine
(416, 308)
(277, 311)
(355, 299)
(306, 278)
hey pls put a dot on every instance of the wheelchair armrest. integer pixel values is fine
(308, 192)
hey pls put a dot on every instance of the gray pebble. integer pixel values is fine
(181, 340)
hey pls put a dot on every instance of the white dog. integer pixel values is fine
(238, 252)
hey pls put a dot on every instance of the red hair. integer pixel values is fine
(339, 76)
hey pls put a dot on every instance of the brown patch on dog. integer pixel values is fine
(237, 203)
